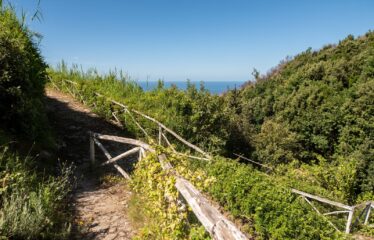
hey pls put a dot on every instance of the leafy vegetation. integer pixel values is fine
(162, 214)
(31, 204)
(22, 79)
(311, 119)
(265, 202)
(315, 109)
(195, 114)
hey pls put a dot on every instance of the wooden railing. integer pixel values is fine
(218, 226)
(214, 222)
(162, 129)
(347, 209)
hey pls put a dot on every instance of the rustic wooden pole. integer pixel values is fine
(349, 221)
(118, 122)
(250, 160)
(125, 141)
(137, 124)
(213, 221)
(140, 154)
(324, 200)
(159, 134)
(142, 151)
(189, 156)
(367, 214)
(167, 140)
(92, 148)
(107, 154)
(159, 124)
(121, 156)
(336, 212)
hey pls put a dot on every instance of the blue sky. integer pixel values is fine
(203, 40)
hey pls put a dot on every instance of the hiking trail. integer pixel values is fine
(99, 208)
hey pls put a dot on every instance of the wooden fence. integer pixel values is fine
(213, 221)
(367, 206)
(162, 129)
(218, 226)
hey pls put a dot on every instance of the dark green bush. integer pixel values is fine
(318, 105)
(22, 79)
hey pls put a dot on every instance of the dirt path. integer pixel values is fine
(100, 211)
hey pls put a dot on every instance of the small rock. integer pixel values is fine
(111, 236)
(112, 230)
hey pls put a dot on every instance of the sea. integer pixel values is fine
(214, 87)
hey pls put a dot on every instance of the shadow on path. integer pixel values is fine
(99, 210)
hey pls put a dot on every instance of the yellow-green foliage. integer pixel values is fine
(164, 217)
(266, 202)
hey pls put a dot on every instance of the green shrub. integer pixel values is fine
(22, 79)
(317, 105)
(266, 201)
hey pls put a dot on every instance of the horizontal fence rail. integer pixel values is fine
(161, 127)
(347, 209)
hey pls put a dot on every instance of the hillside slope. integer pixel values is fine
(315, 108)
(310, 119)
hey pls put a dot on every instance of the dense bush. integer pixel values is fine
(318, 105)
(22, 79)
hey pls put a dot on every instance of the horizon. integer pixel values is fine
(210, 41)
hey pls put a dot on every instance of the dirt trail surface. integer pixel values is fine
(100, 209)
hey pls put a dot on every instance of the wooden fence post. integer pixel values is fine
(159, 134)
(367, 214)
(92, 148)
(349, 221)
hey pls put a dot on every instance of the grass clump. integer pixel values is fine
(32, 206)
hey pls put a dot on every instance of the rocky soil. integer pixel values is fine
(99, 206)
